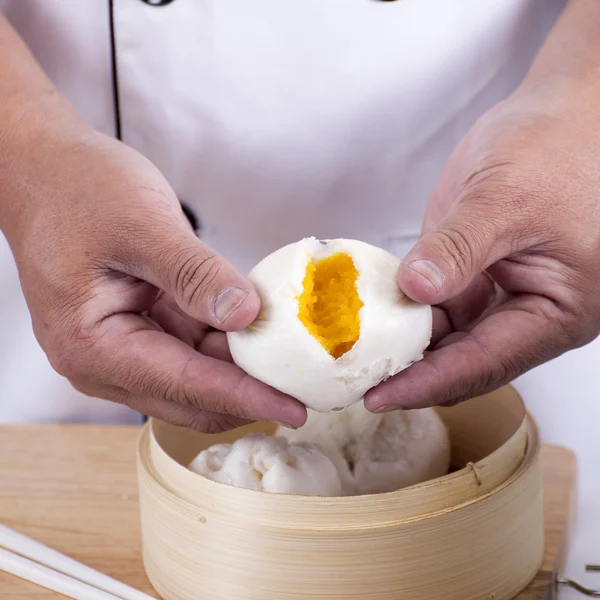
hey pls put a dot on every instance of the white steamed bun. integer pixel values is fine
(334, 322)
(270, 464)
(378, 453)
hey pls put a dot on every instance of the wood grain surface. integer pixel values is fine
(74, 488)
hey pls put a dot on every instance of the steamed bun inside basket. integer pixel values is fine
(348, 453)
(270, 464)
(378, 453)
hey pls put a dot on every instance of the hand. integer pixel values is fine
(125, 300)
(510, 254)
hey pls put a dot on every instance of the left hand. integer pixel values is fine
(510, 254)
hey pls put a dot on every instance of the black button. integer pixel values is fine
(191, 217)
(157, 2)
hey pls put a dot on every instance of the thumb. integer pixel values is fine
(202, 283)
(447, 258)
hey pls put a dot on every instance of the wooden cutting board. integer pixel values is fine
(73, 488)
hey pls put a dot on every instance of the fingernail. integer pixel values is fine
(228, 301)
(286, 425)
(429, 271)
(386, 409)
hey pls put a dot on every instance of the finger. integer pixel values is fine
(185, 416)
(442, 325)
(446, 260)
(130, 354)
(465, 309)
(182, 416)
(203, 284)
(174, 321)
(462, 312)
(519, 335)
(198, 335)
(215, 344)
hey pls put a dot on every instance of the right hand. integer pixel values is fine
(125, 300)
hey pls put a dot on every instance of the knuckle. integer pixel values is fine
(77, 355)
(497, 372)
(66, 329)
(242, 404)
(174, 388)
(174, 392)
(567, 326)
(212, 403)
(161, 386)
(188, 387)
(207, 422)
(216, 423)
(64, 363)
(459, 246)
(198, 421)
(576, 328)
(184, 417)
(66, 357)
(186, 398)
(229, 401)
(195, 276)
(483, 384)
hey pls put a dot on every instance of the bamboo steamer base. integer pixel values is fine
(99, 524)
(474, 534)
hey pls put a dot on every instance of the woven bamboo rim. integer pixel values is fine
(476, 533)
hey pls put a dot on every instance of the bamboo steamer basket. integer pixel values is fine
(476, 533)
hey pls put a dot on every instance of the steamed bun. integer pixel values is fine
(378, 453)
(270, 464)
(334, 322)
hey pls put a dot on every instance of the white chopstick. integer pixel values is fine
(52, 580)
(30, 560)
